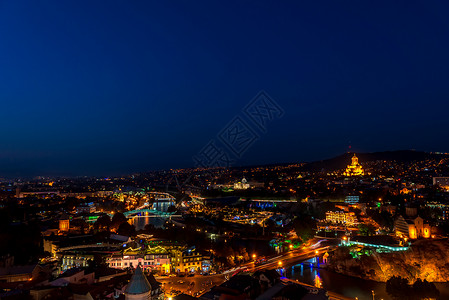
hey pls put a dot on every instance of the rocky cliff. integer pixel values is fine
(425, 259)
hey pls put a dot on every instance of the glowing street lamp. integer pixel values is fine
(280, 263)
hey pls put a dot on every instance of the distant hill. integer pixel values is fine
(343, 160)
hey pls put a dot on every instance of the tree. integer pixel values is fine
(70, 203)
(425, 289)
(98, 262)
(171, 208)
(398, 288)
(81, 224)
(270, 225)
(366, 229)
(305, 227)
(126, 229)
(383, 218)
(117, 220)
(320, 212)
(103, 222)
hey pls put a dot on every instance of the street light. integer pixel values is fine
(254, 256)
(280, 263)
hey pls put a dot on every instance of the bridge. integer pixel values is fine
(272, 200)
(150, 212)
(161, 196)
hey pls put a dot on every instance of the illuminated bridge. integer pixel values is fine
(272, 200)
(162, 196)
(146, 212)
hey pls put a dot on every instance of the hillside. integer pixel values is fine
(343, 160)
(426, 259)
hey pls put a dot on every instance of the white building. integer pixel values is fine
(241, 185)
(154, 261)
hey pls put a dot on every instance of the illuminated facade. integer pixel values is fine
(155, 259)
(241, 185)
(412, 229)
(354, 169)
(341, 217)
(64, 223)
(70, 260)
(190, 261)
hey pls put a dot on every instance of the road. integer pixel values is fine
(200, 284)
(190, 285)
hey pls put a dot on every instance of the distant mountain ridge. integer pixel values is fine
(341, 161)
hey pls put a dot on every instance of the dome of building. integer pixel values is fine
(138, 285)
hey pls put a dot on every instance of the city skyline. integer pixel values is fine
(176, 150)
(124, 88)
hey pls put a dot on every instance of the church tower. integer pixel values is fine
(354, 169)
(138, 287)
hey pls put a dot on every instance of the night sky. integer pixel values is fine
(114, 87)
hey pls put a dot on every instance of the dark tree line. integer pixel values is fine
(119, 224)
(398, 288)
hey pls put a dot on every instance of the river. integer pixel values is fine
(140, 222)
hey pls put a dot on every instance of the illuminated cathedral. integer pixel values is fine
(354, 169)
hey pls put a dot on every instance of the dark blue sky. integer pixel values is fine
(111, 87)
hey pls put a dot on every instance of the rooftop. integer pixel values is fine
(139, 283)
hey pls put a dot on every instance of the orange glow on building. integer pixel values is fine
(340, 217)
(412, 233)
(64, 225)
(354, 169)
(426, 232)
